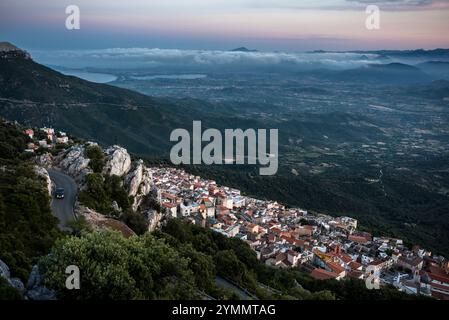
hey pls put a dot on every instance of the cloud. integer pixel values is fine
(405, 4)
(165, 59)
(396, 5)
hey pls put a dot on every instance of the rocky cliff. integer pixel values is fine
(43, 173)
(139, 183)
(118, 161)
(74, 162)
(136, 178)
(99, 222)
(34, 290)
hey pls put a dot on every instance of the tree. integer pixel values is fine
(244, 252)
(97, 158)
(7, 151)
(79, 226)
(113, 267)
(27, 226)
(178, 229)
(229, 266)
(202, 265)
(116, 191)
(8, 292)
(136, 221)
(102, 191)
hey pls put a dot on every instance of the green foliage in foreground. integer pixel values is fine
(7, 292)
(135, 220)
(113, 267)
(140, 267)
(182, 262)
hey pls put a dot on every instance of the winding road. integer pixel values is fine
(228, 285)
(63, 208)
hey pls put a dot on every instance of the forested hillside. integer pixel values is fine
(27, 226)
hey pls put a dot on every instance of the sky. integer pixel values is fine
(268, 25)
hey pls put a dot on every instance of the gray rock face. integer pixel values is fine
(42, 172)
(75, 163)
(118, 161)
(14, 282)
(45, 160)
(153, 218)
(18, 284)
(139, 183)
(134, 178)
(4, 270)
(98, 221)
(36, 291)
(41, 293)
(34, 279)
(115, 206)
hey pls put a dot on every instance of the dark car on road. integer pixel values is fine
(59, 193)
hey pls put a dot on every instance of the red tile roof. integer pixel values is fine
(281, 257)
(300, 243)
(440, 278)
(354, 265)
(345, 257)
(289, 239)
(413, 261)
(377, 262)
(321, 274)
(358, 239)
(335, 267)
(435, 269)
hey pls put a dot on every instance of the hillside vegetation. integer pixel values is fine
(27, 227)
(182, 261)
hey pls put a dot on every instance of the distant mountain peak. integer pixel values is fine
(435, 63)
(7, 46)
(243, 49)
(8, 50)
(397, 66)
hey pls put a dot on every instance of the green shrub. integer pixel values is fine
(97, 158)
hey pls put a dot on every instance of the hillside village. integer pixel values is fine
(45, 138)
(326, 247)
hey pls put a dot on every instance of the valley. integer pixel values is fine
(336, 134)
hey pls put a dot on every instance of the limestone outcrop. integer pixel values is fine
(75, 163)
(118, 161)
(139, 183)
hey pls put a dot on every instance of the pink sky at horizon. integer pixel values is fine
(283, 25)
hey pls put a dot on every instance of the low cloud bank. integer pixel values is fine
(200, 59)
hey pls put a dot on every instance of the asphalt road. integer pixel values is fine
(226, 284)
(63, 208)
